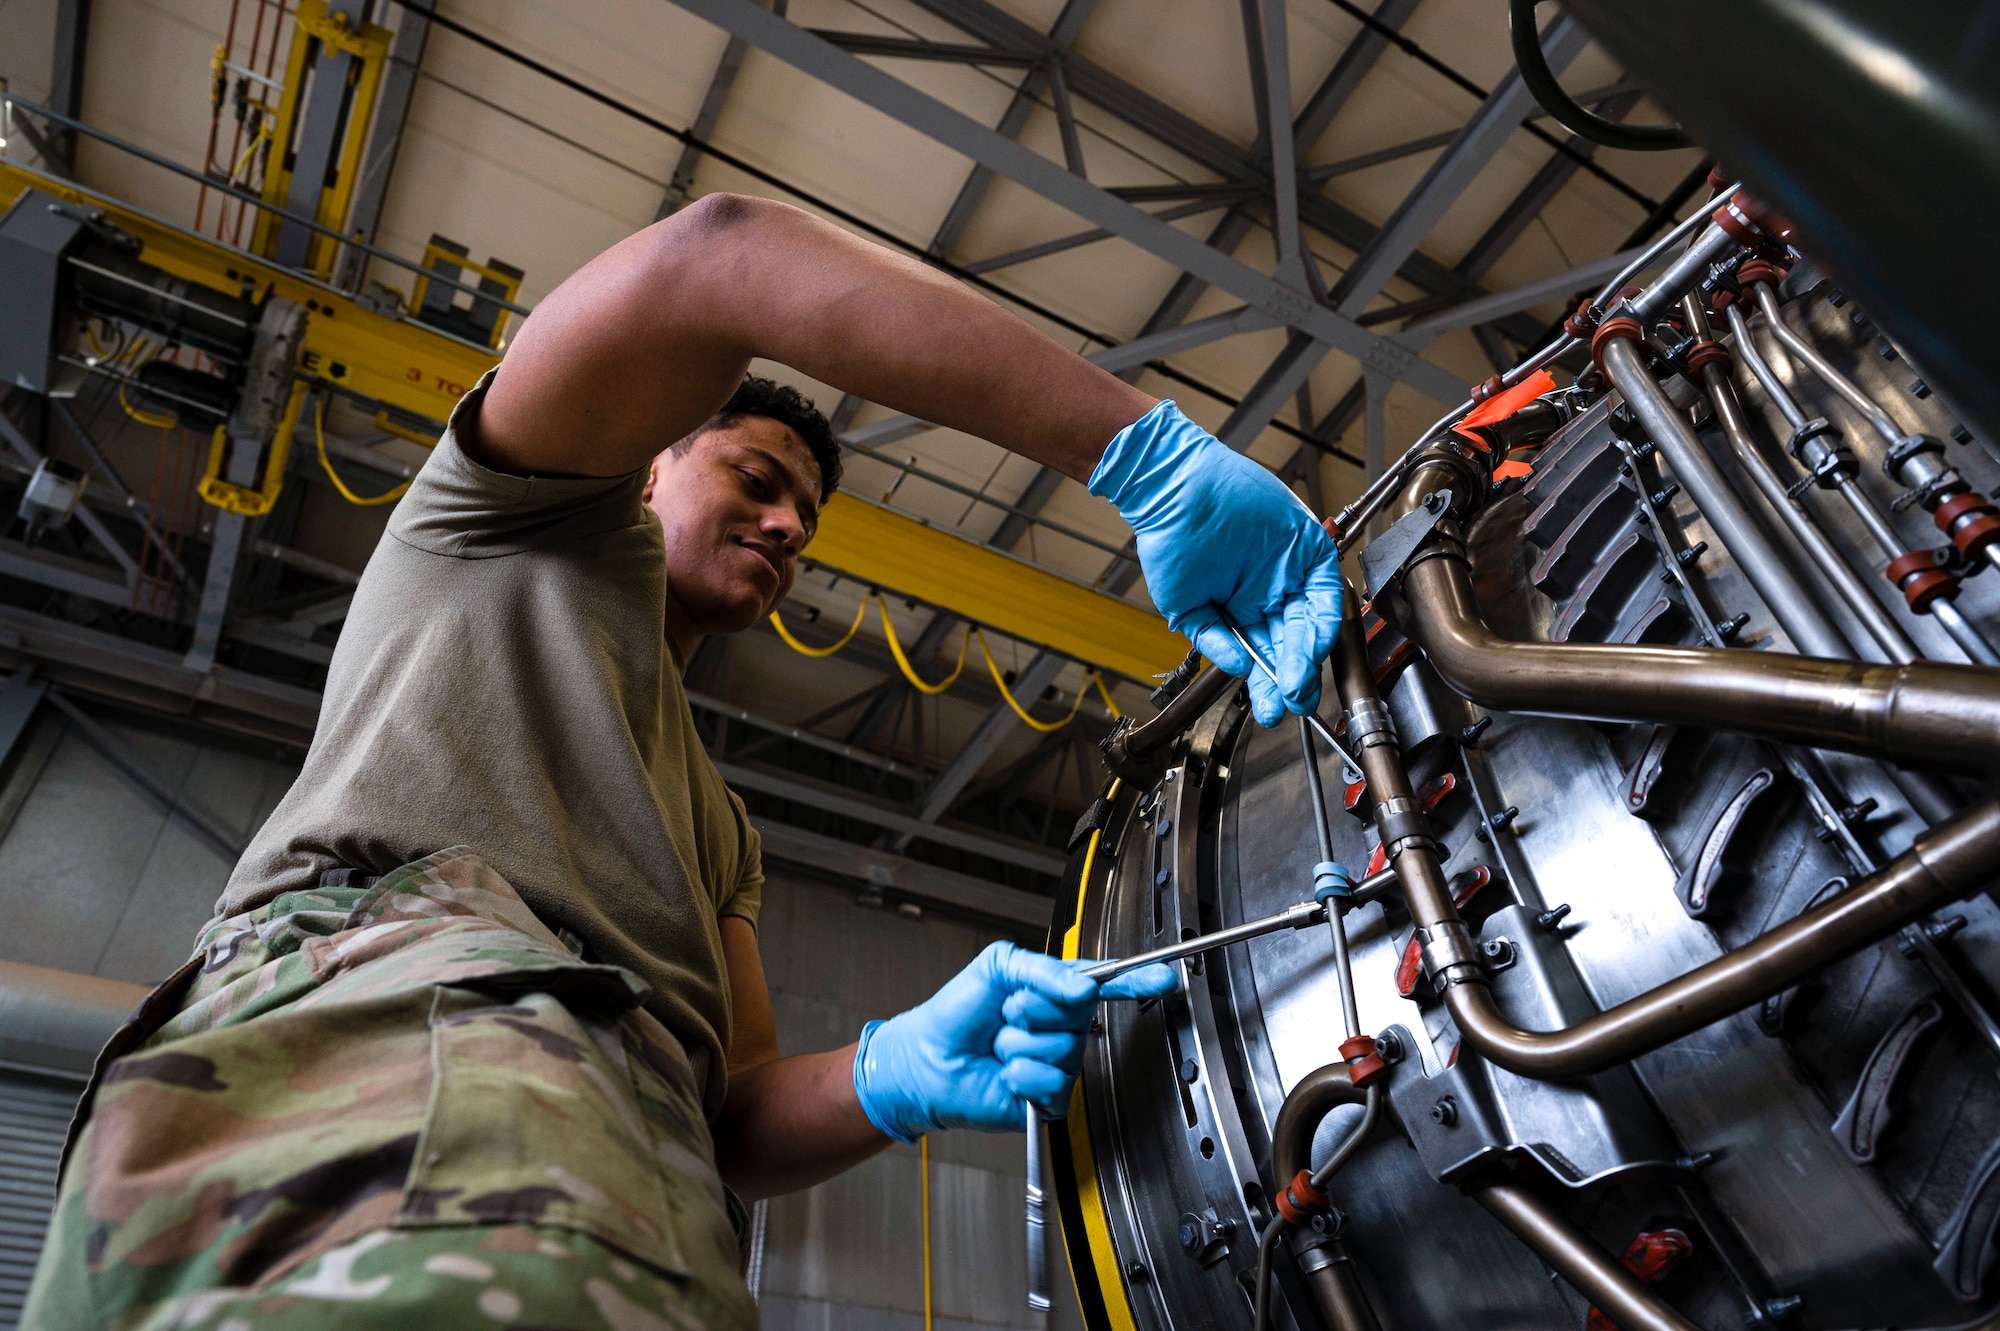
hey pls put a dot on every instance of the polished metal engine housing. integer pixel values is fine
(1827, 1158)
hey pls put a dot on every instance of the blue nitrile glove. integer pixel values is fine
(1007, 1029)
(1216, 530)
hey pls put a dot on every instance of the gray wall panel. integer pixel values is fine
(96, 875)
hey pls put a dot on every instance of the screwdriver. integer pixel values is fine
(1299, 915)
(1272, 675)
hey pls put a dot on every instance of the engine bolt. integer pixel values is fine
(1190, 1070)
(1782, 1307)
(1137, 1271)
(1469, 736)
(1732, 626)
(1552, 918)
(1389, 1046)
(1445, 1112)
(1501, 820)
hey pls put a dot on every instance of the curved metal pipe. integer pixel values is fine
(1329, 1274)
(1925, 714)
(1590, 1270)
(1943, 865)
(1318, 1093)
(1131, 751)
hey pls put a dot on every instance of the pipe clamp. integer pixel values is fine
(1370, 725)
(1450, 955)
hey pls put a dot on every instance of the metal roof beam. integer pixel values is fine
(905, 877)
(680, 185)
(913, 48)
(1189, 137)
(843, 802)
(1067, 25)
(920, 111)
(1488, 308)
(1539, 192)
(1475, 145)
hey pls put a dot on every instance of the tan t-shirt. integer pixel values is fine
(504, 682)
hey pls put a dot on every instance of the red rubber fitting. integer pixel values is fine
(1708, 353)
(1976, 534)
(1971, 520)
(1717, 177)
(1331, 528)
(1298, 1201)
(1721, 300)
(1363, 1063)
(1581, 324)
(1749, 222)
(1482, 391)
(1757, 270)
(1624, 326)
(1921, 580)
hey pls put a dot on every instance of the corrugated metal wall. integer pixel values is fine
(96, 876)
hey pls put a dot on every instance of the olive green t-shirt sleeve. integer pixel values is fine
(746, 899)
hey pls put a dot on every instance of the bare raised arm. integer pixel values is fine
(648, 339)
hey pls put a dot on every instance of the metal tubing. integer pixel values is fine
(1926, 714)
(1350, 1008)
(1825, 559)
(1944, 865)
(1318, 1093)
(1681, 230)
(1665, 291)
(1300, 915)
(1591, 1271)
(1332, 1282)
(1740, 532)
(1038, 1244)
(1970, 640)
(1767, 301)
(1144, 742)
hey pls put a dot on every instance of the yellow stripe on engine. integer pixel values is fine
(1096, 1225)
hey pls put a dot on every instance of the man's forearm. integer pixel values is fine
(791, 1123)
(646, 341)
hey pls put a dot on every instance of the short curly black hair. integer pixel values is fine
(757, 396)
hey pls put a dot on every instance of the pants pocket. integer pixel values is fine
(533, 1119)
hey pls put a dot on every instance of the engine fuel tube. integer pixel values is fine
(1588, 1268)
(1945, 864)
(1924, 714)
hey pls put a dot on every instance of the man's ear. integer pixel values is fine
(652, 479)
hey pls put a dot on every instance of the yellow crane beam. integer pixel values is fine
(403, 364)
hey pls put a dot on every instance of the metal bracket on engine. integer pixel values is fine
(1384, 557)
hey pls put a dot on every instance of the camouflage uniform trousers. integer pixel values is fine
(401, 1106)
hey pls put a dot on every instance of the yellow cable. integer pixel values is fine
(804, 650)
(319, 433)
(1105, 694)
(152, 418)
(903, 662)
(242, 161)
(146, 417)
(1000, 682)
(924, 1151)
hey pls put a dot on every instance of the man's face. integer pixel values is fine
(735, 507)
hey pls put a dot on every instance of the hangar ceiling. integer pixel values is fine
(1103, 168)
